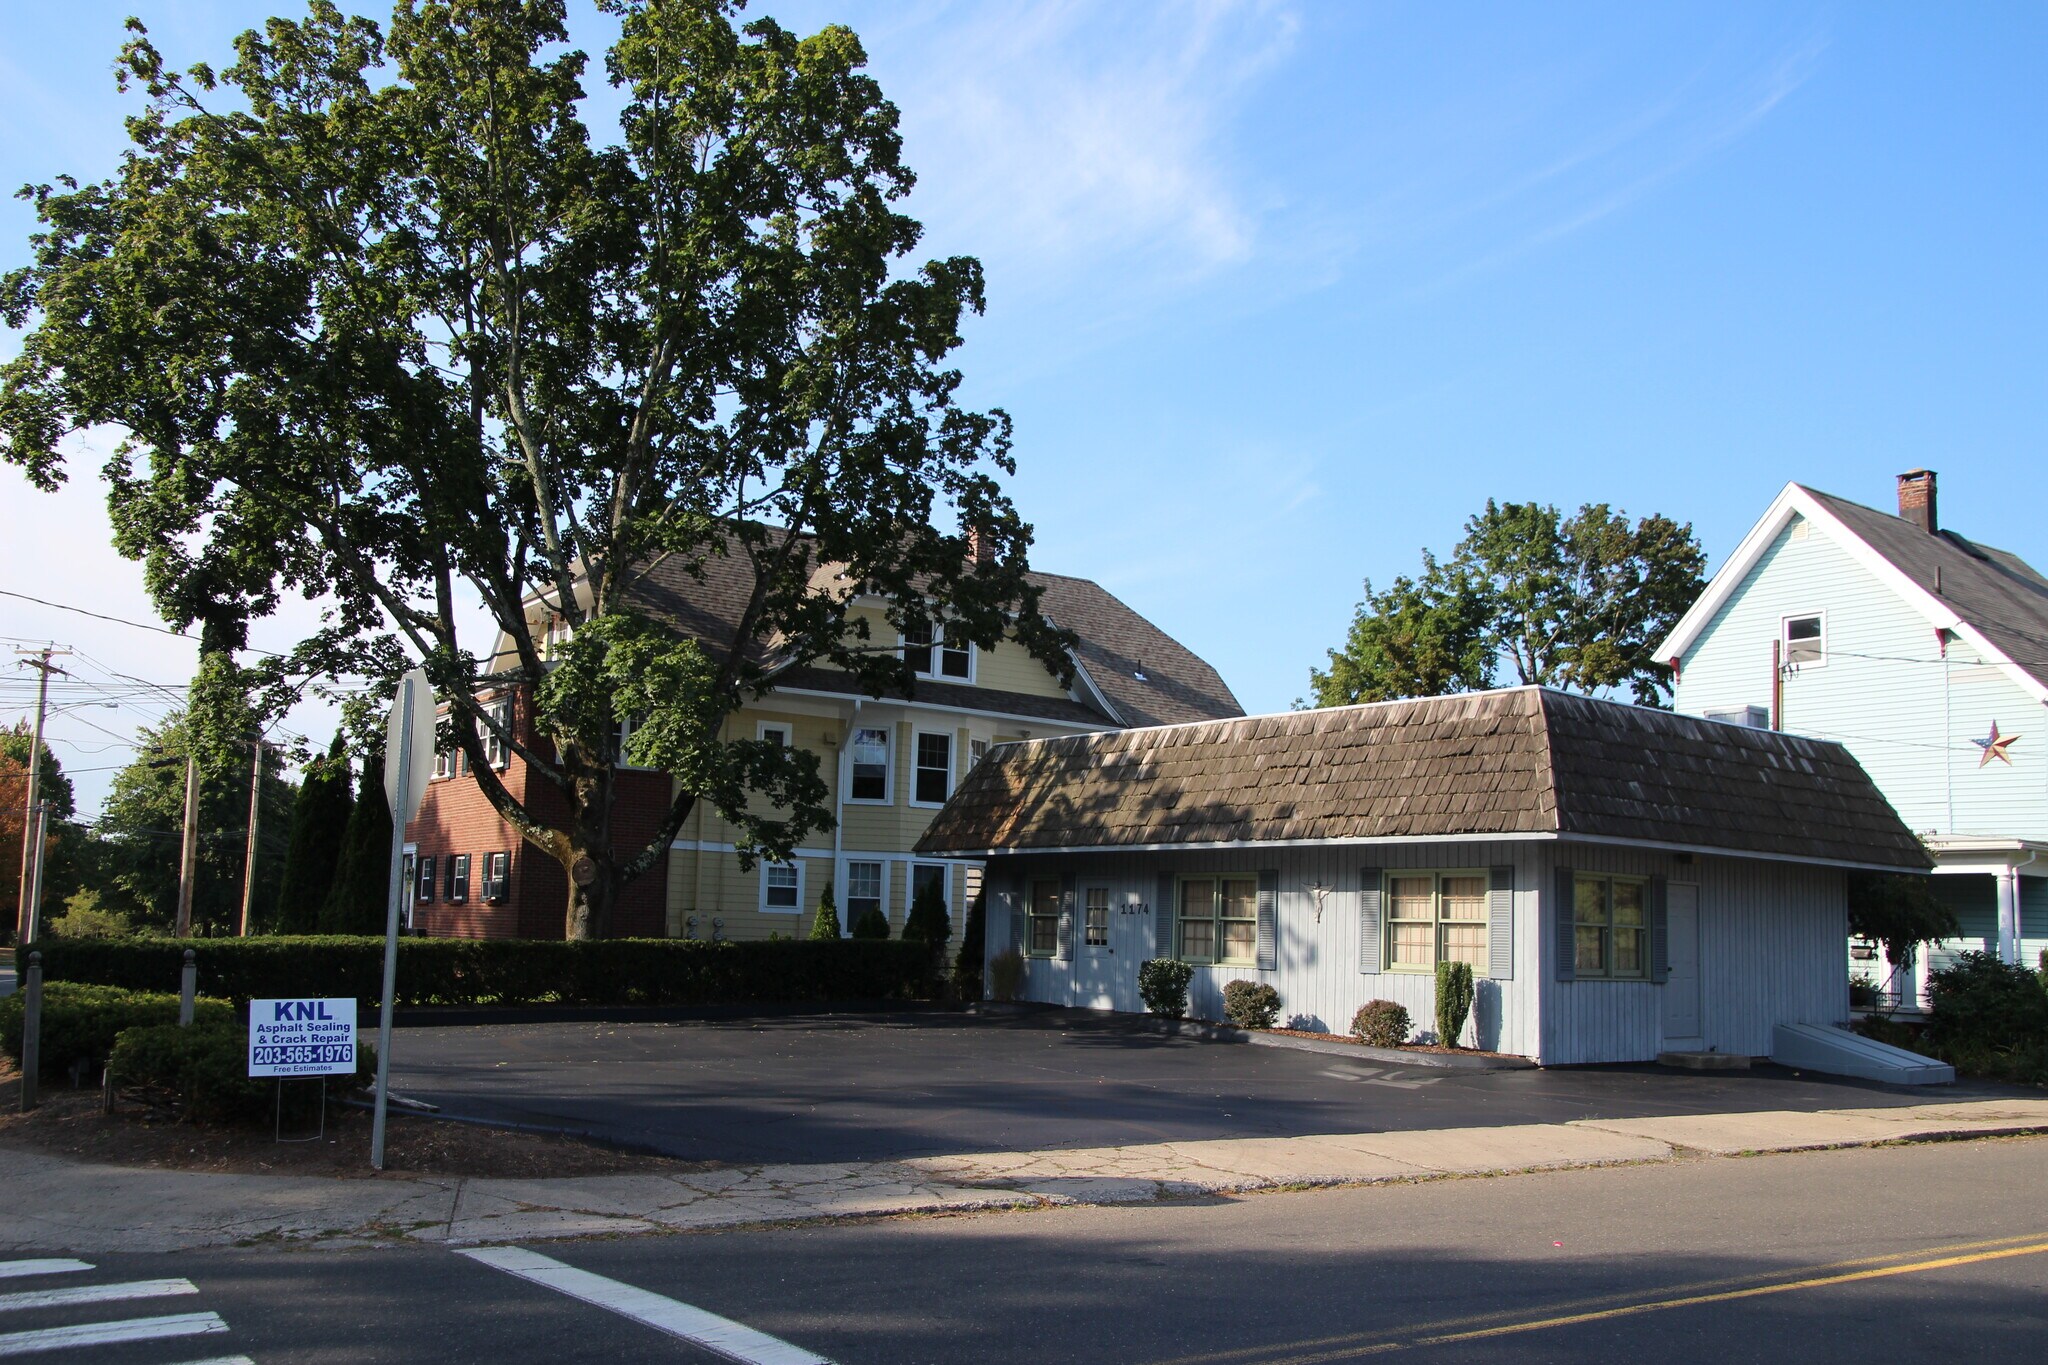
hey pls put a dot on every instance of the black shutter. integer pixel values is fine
(1500, 923)
(1660, 930)
(1567, 963)
(1269, 921)
(1369, 881)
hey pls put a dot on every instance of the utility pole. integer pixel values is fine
(31, 827)
(188, 861)
(249, 858)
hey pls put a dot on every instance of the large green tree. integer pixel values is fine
(384, 323)
(142, 824)
(1576, 602)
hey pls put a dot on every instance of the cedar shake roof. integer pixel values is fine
(1147, 677)
(1521, 762)
(1994, 590)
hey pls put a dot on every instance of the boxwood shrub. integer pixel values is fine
(201, 1072)
(80, 1022)
(448, 971)
(1380, 1023)
(1251, 1004)
(1163, 985)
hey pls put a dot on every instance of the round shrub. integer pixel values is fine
(201, 1072)
(1979, 1002)
(1163, 983)
(1251, 1004)
(80, 1022)
(870, 923)
(1380, 1023)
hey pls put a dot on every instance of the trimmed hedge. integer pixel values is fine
(450, 971)
(80, 1022)
(202, 1072)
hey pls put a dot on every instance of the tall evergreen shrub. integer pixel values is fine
(358, 901)
(1453, 1000)
(928, 920)
(825, 924)
(320, 819)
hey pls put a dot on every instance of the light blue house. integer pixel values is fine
(1923, 652)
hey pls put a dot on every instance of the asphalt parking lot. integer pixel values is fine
(883, 1086)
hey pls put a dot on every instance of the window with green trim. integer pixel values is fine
(1610, 927)
(1044, 938)
(1219, 919)
(1436, 917)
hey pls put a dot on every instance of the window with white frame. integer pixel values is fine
(869, 760)
(782, 887)
(1043, 938)
(497, 876)
(1806, 640)
(458, 878)
(423, 889)
(499, 725)
(773, 732)
(1436, 917)
(622, 733)
(863, 890)
(1219, 919)
(932, 782)
(929, 877)
(1610, 927)
(1095, 904)
(977, 750)
(932, 655)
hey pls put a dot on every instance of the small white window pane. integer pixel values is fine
(1628, 903)
(870, 765)
(781, 880)
(1803, 640)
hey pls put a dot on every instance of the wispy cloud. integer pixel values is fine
(1053, 135)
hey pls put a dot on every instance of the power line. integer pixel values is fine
(123, 621)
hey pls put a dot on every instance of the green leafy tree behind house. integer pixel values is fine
(435, 343)
(1576, 602)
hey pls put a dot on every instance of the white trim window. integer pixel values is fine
(1219, 919)
(497, 876)
(931, 655)
(782, 888)
(496, 750)
(977, 750)
(458, 878)
(622, 733)
(867, 888)
(1042, 936)
(773, 732)
(1095, 917)
(931, 782)
(423, 889)
(923, 875)
(869, 777)
(1436, 917)
(1805, 638)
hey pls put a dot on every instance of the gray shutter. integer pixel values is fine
(1369, 879)
(1018, 910)
(1064, 950)
(1269, 921)
(1660, 930)
(1500, 923)
(1567, 963)
(1162, 918)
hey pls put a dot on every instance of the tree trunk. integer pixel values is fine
(591, 865)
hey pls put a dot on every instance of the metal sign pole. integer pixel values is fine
(395, 889)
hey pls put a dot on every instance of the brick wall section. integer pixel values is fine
(455, 818)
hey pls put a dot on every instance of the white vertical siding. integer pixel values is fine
(1771, 939)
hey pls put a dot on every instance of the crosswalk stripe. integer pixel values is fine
(721, 1336)
(95, 1293)
(11, 1269)
(110, 1333)
(220, 1360)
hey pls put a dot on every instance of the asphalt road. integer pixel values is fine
(1933, 1253)
(882, 1087)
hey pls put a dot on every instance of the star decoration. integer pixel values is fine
(1995, 747)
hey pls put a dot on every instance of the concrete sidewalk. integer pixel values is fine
(62, 1206)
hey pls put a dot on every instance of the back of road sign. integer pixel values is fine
(404, 805)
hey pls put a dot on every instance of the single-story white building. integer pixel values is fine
(1623, 881)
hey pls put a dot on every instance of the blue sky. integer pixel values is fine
(1279, 293)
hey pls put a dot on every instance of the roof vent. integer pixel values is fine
(1916, 499)
(1139, 674)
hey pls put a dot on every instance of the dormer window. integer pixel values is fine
(931, 655)
(1806, 641)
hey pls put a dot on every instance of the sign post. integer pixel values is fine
(408, 763)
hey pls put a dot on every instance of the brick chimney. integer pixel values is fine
(1916, 499)
(981, 546)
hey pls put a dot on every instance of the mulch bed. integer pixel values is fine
(1405, 1047)
(68, 1123)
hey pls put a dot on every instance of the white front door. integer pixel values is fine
(1682, 1029)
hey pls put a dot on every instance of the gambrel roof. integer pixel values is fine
(1523, 762)
(1990, 598)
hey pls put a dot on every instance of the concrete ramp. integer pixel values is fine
(1838, 1052)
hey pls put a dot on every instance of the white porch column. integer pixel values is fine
(2009, 914)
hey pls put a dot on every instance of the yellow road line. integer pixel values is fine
(1373, 1342)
